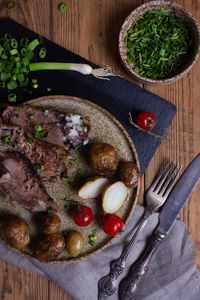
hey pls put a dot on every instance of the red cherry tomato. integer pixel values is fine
(112, 224)
(146, 120)
(82, 215)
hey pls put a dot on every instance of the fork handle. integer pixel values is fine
(107, 285)
(129, 284)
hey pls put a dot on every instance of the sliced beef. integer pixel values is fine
(48, 161)
(20, 182)
(56, 128)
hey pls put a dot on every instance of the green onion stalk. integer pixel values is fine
(15, 64)
(81, 68)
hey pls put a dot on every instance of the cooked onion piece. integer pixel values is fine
(93, 187)
(114, 196)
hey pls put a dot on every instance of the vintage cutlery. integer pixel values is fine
(156, 196)
(167, 217)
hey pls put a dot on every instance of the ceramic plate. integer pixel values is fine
(104, 128)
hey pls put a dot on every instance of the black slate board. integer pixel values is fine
(117, 95)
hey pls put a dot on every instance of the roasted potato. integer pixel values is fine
(50, 247)
(129, 173)
(93, 187)
(15, 232)
(49, 223)
(103, 158)
(74, 243)
(114, 197)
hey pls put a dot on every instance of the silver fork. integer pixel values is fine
(155, 197)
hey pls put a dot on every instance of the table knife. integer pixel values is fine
(167, 217)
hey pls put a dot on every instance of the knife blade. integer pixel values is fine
(179, 196)
(167, 217)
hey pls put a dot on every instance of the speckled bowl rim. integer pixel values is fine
(122, 50)
(110, 116)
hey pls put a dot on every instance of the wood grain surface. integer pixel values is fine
(90, 28)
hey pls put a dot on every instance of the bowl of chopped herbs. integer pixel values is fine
(159, 42)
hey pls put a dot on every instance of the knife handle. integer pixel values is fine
(129, 284)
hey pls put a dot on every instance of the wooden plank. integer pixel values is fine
(90, 28)
(184, 133)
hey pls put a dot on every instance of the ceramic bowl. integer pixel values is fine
(186, 18)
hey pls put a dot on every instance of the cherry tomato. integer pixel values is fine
(146, 120)
(82, 215)
(112, 224)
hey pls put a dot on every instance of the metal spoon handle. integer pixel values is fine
(108, 284)
(129, 284)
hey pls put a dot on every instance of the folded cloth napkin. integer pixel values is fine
(172, 273)
(116, 95)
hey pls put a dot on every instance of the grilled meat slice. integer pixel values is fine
(55, 128)
(20, 182)
(48, 161)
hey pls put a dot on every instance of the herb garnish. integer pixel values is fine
(156, 44)
(93, 237)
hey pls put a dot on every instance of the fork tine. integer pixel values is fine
(157, 179)
(170, 187)
(167, 182)
(157, 189)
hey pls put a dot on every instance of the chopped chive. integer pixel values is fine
(46, 111)
(48, 89)
(156, 44)
(76, 161)
(62, 7)
(11, 4)
(12, 97)
(34, 81)
(49, 210)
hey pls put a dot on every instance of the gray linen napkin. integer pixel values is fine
(172, 274)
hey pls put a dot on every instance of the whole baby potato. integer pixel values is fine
(15, 232)
(103, 158)
(74, 243)
(129, 173)
(50, 247)
(49, 223)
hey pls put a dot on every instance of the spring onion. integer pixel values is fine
(66, 179)
(31, 117)
(93, 237)
(7, 141)
(30, 140)
(38, 167)
(62, 7)
(12, 97)
(11, 4)
(38, 128)
(42, 52)
(15, 63)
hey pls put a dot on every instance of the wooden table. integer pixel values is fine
(90, 28)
